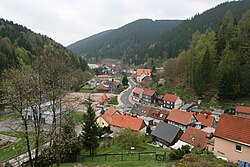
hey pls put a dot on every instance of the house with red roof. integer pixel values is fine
(205, 120)
(193, 137)
(243, 111)
(171, 101)
(103, 99)
(181, 119)
(137, 94)
(104, 119)
(101, 88)
(157, 114)
(232, 139)
(142, 73)
(125, 121)
(149, 96)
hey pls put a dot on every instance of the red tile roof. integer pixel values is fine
(141, 71)
(148, 92)
(103, 99)
(180, 117)
(243, 109)
(170, 97)
(101, 87)
(126, 121)
(233, 128)
(195, 137)
(137, 90)
(107, 116)
(206, 120)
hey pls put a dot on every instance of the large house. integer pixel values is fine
(193, 137)
(232, 139)
(171, 101)
(242, 111)
(166, 134)
(104, 119)
(137, 94)
(149, 96)
(142, 73)
(181, 119)
(125, 121)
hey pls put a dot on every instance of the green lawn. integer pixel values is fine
(125, 160)
(76, 117)
(86, 89)
(10, 116)
(20, 146)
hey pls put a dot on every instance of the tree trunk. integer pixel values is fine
(28, 142)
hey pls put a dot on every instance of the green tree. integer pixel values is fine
(229, 78)
(129, 138)
(226, 31)
(90, 130)
(125, 80)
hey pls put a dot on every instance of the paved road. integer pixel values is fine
(125, 95)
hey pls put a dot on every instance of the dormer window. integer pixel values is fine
(161, 115)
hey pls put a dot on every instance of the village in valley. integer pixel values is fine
(120, 101)
(139, 84)
(172, 121)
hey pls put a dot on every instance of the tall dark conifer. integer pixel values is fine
(90, 130)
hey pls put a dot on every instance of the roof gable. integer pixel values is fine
(103, 99)
(180, 117)
(137, 90)
(107, 116)
(166, 131)
(243, 109)
(206, 120)
(126, 121)
(195, 137)
(101, 87)
(170, 97)
(233, 128)
(143, 71)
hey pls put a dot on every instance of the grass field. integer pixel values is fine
(9, 116)
(124, 160)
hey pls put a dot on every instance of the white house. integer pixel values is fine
(171, 101)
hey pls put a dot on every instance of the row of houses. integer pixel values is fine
(148, 96)
(229, 139)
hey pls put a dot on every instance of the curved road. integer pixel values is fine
(125, 94)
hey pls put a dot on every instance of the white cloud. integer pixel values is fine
(68, 21)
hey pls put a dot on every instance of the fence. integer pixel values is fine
(136, 156)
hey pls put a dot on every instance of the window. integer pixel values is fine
(161, 115)
(238, 148)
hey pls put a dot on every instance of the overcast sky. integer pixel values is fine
(68, 21)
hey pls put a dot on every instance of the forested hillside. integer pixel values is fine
(177, 40)
(20, 46)
(216, 64)
(122, 43)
